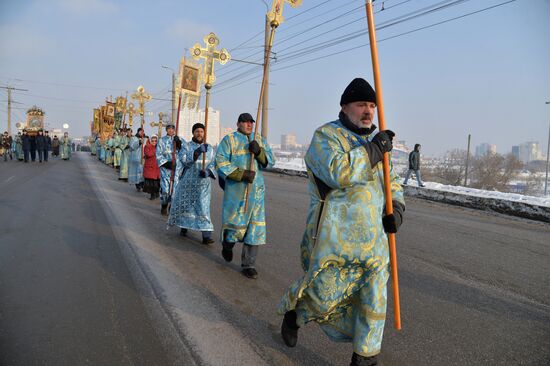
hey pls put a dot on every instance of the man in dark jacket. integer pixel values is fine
(55, 146)
(26, 142)
(414, 166)
(41, 145)
(48, 145)
(6, 144)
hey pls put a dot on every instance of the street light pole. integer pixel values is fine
(547, 159)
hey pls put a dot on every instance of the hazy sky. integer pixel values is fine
(487, 74)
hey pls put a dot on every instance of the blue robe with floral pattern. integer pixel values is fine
(190, 208)
(344, 249)
(135, 168)
(165, 148)
(239, 226)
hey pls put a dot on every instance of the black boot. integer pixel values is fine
(164, 210)
(227, 253)
(183, 232)
(289, 329)
(152, 197)
(358, 360)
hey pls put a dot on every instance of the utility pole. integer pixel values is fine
(467, 162)
(265, 102)
(547, 159)
(9, 89)
(173, 90)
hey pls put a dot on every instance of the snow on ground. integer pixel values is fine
(298, 164)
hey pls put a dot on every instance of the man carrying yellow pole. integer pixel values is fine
(344, 249)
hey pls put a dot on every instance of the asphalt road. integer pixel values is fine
(90, 273)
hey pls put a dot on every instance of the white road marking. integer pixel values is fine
(10, 178)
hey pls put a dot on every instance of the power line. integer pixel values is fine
(338, 40)
(380, 40)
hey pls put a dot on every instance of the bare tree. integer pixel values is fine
(451, 169)
(494, 171)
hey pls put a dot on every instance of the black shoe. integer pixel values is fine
(152, 197)
(358, 360)
(208, 241)
(164, 210)
(227, 254)
(183, 232)
(289, 329)
(422, 185)
(250, 273)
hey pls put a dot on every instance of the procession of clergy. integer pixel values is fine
(344, 250)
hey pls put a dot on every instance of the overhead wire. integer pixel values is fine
(366, 44)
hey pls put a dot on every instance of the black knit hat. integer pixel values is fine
(197, 125)
(245, 117)
(359, 90)
(170, 125)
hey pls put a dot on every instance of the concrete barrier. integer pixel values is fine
(511, 208)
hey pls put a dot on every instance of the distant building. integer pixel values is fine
(188, 117)
(485, 148)
(288, 141)
(515, 152)
(529, 151)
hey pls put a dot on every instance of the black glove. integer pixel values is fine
(254, 147)
(199, 150)
(380, 144)
(392, 222)
(383, 140)
(177, 140)
(203, 174)
(248, 176)
(167, 165)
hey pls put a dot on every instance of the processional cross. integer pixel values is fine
(275, 16)
(210, 54)
(141, 96)
(130, 110)
(158, 124)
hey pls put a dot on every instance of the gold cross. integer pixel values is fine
(159, 124)
(210, 54)
(275, 16)
(141, 96)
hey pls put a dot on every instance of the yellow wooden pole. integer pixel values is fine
(387, 183)
(262, 90)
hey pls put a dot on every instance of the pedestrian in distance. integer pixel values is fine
(233, 164)
(26, 145)
(41, 145)
(48, 145)
(414, 166)
(65, 146)
(55, 146)
(6, 143)
(344, 249)
(18, 147)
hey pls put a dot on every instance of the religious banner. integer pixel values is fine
(121, 104)
(189, 83)
(107, 124)
(96, 123)
(110, 110)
